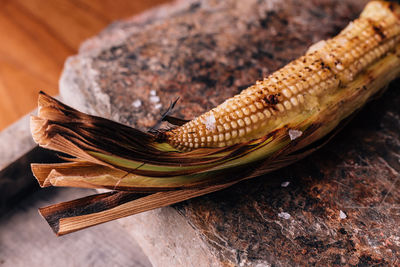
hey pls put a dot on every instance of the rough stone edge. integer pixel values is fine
(15, 141)
(16, 147)
(163, 247)
(111, 35)
(71, 85)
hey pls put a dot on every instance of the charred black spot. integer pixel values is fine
(324, 66)
(84, 206)
(272, 99)
(378, 31)
(160, 136)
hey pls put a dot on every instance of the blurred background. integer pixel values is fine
(36, 38)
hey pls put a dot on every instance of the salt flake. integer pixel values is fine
(152, 92)
(209, 122)
(158, 106)
(294, 134)
(285, 184)
(284, 215)
(137, 103)
(154, 99)
(342, 215)
(317, 46)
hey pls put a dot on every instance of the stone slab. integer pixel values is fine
(26, 240)
(15, 141)
(17, 150)
(340, 206)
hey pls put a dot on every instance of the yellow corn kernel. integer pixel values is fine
(327, 67)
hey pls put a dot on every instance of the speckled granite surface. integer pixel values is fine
(341, 206)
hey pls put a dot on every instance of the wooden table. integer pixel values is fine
(37, 36)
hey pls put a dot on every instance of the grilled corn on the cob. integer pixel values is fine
(299, 87)
(257, 131)
(309, 97)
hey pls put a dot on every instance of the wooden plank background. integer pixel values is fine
(37, 36)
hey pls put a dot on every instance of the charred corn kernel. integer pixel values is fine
(299, 86)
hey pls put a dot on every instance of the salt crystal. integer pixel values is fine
(285, 184)
(152, 92)
(294, 134)
(154, 99)
(137, 103)
(317, 46)
(209, 122)
(158, 106)
(342, 215)
(284, 215)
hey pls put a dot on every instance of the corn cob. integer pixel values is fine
(299, 86)
(248, 135)
(310, 95)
